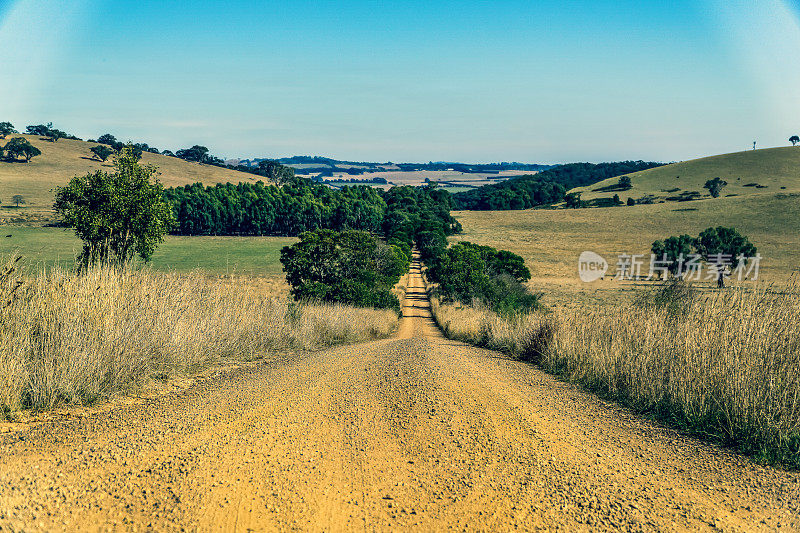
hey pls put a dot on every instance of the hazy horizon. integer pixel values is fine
(411, 81)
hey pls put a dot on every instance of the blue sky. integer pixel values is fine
(409, 80)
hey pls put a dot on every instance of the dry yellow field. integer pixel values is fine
(62, 160)
(551, 240)
(774, 169)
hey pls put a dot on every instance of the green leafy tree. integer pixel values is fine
(675, 251)
(616, 200)
(715, 186)
(624, 182)
(349, 267)
(274, 171)
(196, 153)
(794, 139)
(108, 139)
(468, 272)
(631, 201)
(573, 201)
(55, 134)
(725, 248)
(21, 147)
(6, 128)
(431, 244)
(117, 215)
(102, 152)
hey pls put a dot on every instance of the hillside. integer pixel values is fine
(64, 159)
(771, 170)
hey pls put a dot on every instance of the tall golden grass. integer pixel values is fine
(67, 338)
(725, 365)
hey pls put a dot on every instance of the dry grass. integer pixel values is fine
(725, 365)
(773, 168)
(76, 339)
(550, 241)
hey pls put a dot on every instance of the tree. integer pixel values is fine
(573, 201)
(715, 186)
(631, 201)
(40, 129)
(195, 153)
(21, 147)
(616, 200)
(47, 131)
(624, 182)
(108, 139)
(274, 171)
(117, 215)
(674, 251)
(466, 272)
(55, 134)
(794, 139)
(725, 249)
(17, 199)
(6, 128)
(102, 152)
(346, 266)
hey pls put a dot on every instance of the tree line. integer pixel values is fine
(545, 188)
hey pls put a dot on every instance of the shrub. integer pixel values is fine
(349, 267)
(468, 272)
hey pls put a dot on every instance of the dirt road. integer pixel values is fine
(411, 432)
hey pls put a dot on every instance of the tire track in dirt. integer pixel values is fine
(414, 432)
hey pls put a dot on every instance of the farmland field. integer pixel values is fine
(551, 240)
(253, 256)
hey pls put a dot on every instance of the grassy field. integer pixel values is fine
(250, 256)
(68, 338)
(551, 240)
(723, 365)
(65, 159)
(773, 169)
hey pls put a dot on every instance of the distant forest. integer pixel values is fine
(547, 187)
(401, 214)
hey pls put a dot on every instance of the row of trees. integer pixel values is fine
(544, 188)
(299, 205)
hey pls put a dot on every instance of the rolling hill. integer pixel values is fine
(62, 160)
(771, 170)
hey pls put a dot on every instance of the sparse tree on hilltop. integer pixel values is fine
(21, 147)
(196, 153)
(117, 215)
(6, 128)
(794, 139)
(102, 152)
(17, 199)
(715, 186)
